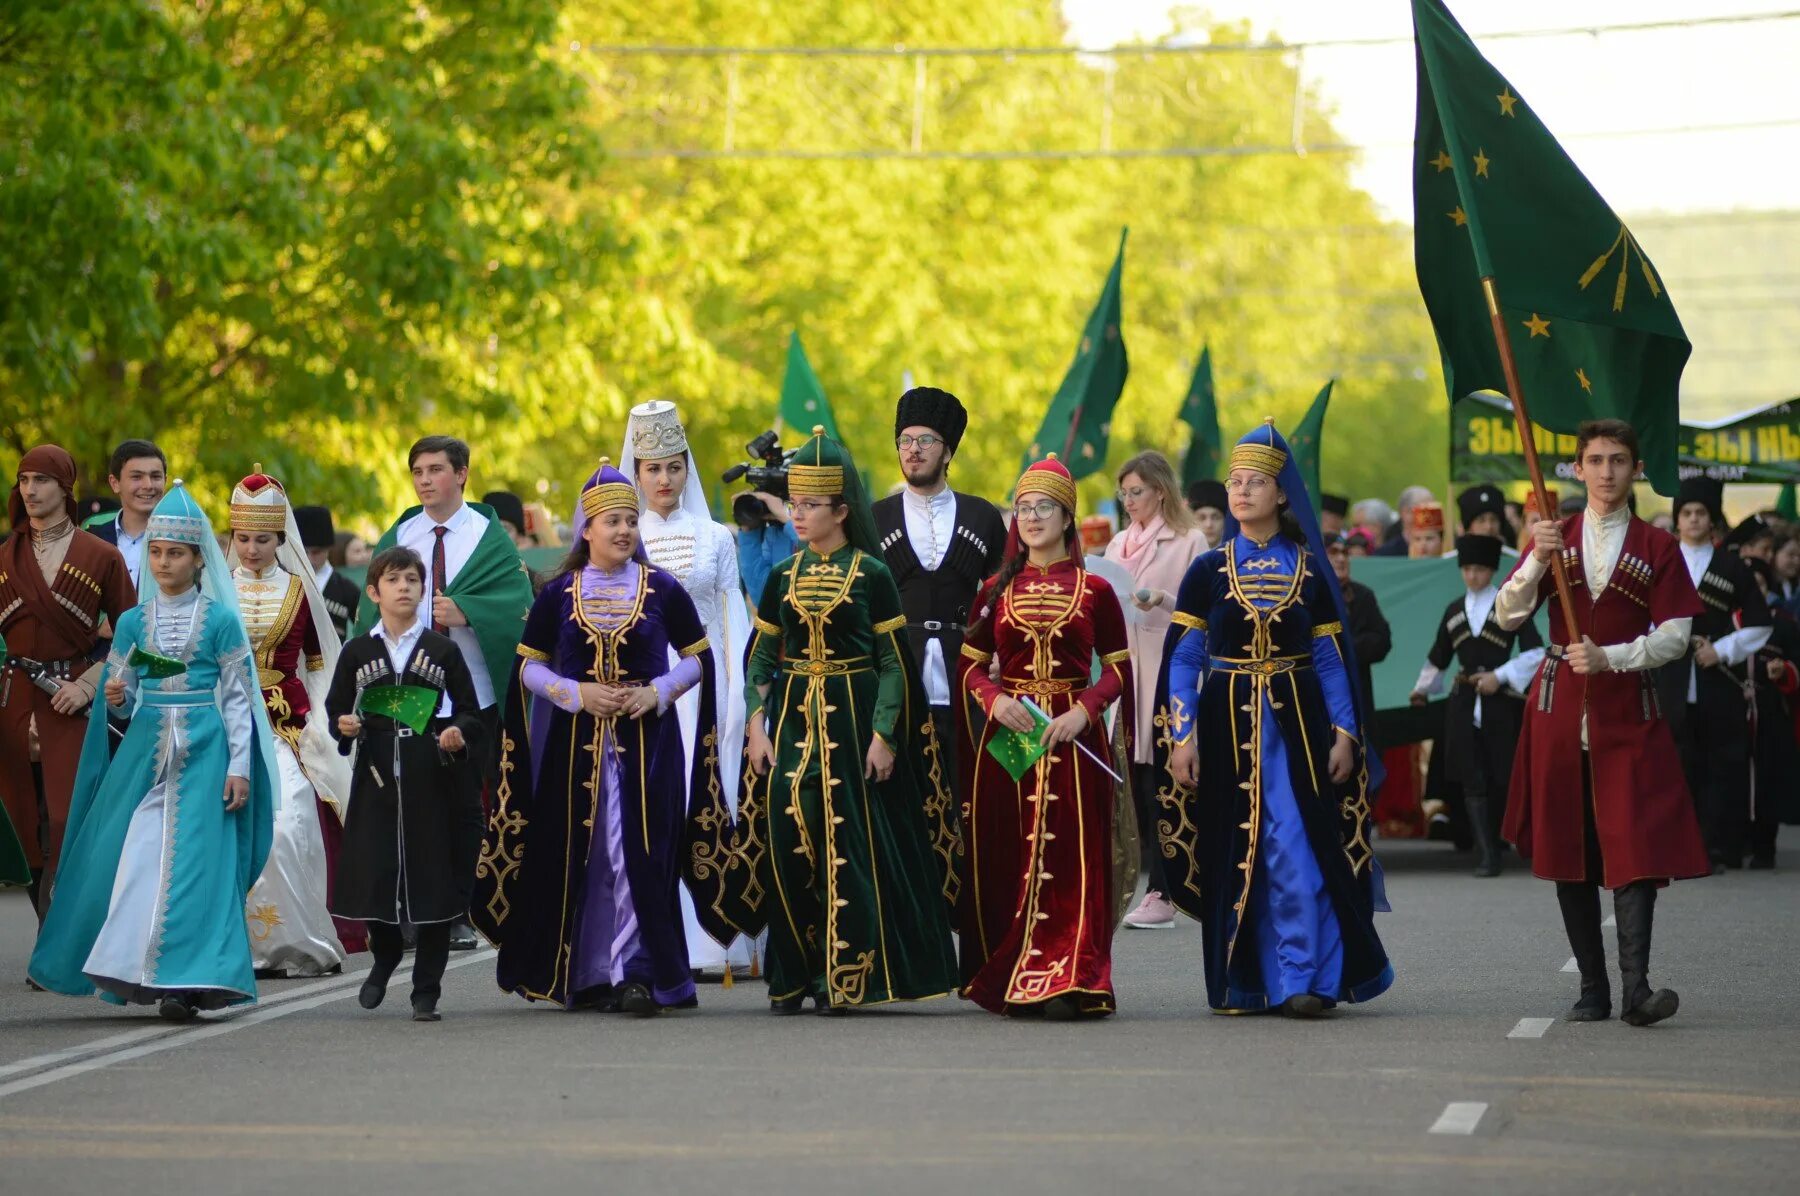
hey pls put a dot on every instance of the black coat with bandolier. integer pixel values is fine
(414, 825)
(1480, 650)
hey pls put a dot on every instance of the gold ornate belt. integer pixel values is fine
(1266, 667)
(1040, 688)
(828, 668)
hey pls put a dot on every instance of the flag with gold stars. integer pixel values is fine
(1593, 331)
(803, 402)
(1304, 440)
(1200, 412)
(1079, 421)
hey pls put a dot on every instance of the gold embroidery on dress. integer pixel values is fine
(263, 921)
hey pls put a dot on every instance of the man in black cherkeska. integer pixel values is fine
(414, 827)
(1482, 716)
(1703, 693)
(939, 544)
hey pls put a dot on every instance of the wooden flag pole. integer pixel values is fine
(1503, 340)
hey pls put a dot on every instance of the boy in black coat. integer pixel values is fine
(414, 823)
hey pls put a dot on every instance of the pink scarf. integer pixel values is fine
(1137, 539)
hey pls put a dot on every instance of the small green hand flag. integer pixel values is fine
(1017, 751)
(1200, 412)
(1496, 198)
(412, 705)
(1305, 439)
(152, 664)
(1079, 422)
(803, 401)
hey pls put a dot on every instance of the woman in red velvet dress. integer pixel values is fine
(1038, 903)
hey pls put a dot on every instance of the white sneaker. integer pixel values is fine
(1153, 913)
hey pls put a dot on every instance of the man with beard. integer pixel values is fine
(939, 544)
(56, 583)
(139, 474)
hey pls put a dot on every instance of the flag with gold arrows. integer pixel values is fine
(1079, 421)
(1505, 222)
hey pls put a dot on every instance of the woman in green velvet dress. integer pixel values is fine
(846, 842)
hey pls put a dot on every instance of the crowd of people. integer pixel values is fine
(868, 751)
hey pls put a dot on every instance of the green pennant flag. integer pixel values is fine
(410, 704)
(1017, 751)
(803, 401)
(1495, 198)
(1079, 421)
(1305, 439)
(1200, 412)
(152, 664)
(1785, 506)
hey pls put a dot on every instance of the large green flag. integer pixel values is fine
(1079, 420)
(1305, 439)
(1200, 412)
(803, 401)
(1495, 197)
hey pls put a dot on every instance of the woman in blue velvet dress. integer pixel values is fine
(578, 881)
(1265, 830)
(167, 835)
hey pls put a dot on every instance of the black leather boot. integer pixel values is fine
(1581, 921)
(1634, 906)
(1487, 838)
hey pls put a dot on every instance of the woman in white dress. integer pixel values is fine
(295, 650)
(679, 535)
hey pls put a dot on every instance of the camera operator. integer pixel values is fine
(765, 538)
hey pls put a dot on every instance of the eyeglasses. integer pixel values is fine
(1247, 485)
(926, 441)
(1133, 494)
(807, 508)
(1035, 510)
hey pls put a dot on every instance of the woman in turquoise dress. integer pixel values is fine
(166, 836)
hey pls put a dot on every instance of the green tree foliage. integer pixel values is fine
(303, 233)
(299, 231)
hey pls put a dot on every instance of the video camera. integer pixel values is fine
(767, 469)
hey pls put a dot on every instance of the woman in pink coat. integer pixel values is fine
(1157, 547)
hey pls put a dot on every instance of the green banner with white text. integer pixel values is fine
(1763, 446)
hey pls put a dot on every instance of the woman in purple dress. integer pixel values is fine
(578, 882)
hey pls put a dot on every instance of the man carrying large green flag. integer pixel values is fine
(1200, 412)
(1079, 421)
(1597, 797)
(1304, 440)
(803, 402)
(1500, 208)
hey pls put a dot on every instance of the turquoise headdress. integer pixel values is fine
(178, 518)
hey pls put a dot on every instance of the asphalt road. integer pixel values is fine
(1442, 1085)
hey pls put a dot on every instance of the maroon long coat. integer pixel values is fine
(1642, 809)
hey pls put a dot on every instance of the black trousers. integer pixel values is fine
(1714, 740)
(1634, 908)
(1146, 779)
(429, 958)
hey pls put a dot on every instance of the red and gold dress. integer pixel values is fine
(1038, 904)
(290, 928)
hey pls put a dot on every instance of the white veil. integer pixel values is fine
(325, 768)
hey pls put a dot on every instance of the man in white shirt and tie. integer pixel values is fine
(477, 590)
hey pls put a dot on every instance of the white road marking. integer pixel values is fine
(155, 1041)
(1459, 1117)
(1571, 966)
(164, 1029)
(1531, 1027)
